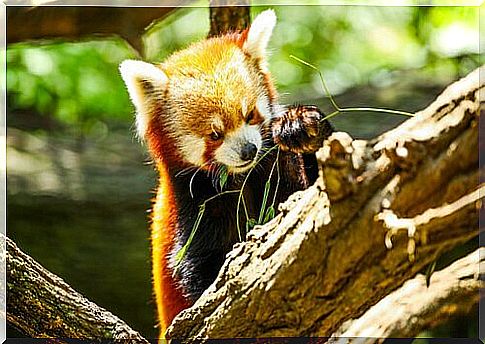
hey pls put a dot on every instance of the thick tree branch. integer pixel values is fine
(77, 23)
(414, 307)
(324, 259)
(40, 304)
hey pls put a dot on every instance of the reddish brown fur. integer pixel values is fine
(210, 148)
(170, 299)
(159, 141)
(268, 83)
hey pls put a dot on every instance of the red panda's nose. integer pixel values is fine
(248, 152)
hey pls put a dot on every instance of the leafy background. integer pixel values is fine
(79, 183)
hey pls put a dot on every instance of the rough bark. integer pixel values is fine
(380, 212)
(454, 289)
(414, 307)
(40, 304)
(228, 15)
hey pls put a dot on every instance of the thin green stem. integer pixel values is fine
(219, 194)
(396, 112)
(267, 187)
(243, 200)
(181, 253)
(338, 108)
(242, 189)
(335, 113)
(327, 91)
(277, 180)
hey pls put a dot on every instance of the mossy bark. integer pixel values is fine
(40, 304)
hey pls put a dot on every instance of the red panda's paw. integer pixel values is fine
(301, 129)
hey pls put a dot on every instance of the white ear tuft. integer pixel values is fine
(260, 33)
(142, 80)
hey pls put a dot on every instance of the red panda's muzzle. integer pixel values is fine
(240, 148)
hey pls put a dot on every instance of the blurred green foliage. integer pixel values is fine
(75, 83)
(78, 84)
(355, 45)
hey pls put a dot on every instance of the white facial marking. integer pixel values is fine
(244, 106)
(229, 153)
(192, 148)
(262, 105)
(217, 124)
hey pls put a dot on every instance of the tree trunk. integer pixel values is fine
(228, 15)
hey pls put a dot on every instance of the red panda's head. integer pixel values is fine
(212, 102)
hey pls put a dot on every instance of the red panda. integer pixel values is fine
(209, 107)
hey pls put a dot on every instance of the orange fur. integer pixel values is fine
(221, 76)
(170, 299)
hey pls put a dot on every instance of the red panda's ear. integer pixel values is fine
(259, 34)
(143, 81)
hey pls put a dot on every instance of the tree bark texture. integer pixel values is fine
(405, 312)
(40, 304)
(380, 212)
(228, 15)
(414, 307)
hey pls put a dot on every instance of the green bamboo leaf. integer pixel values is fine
(183, 251)
(241, 191)
(270, 213)
(267, 186)
(250, 223)
(223, 178)
(429, 272)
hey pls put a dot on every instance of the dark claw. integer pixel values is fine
(301, 129)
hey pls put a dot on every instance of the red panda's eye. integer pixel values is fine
(215, 136)
(250, 117)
